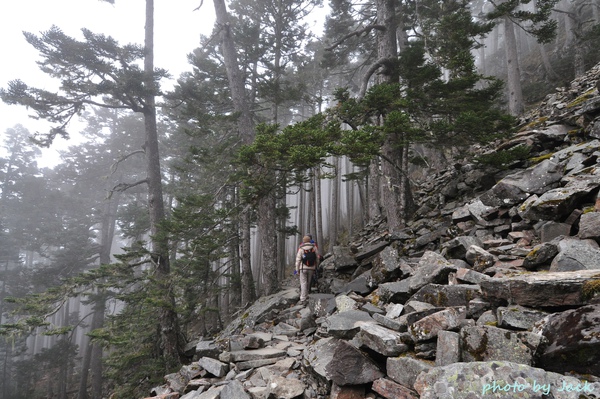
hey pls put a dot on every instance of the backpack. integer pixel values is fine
(309, 257)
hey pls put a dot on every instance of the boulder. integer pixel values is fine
(500, 380)
(573, 340)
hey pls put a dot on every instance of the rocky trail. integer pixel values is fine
(493, 291)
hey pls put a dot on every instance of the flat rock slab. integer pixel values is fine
(501, 380)
(541, 289)
(256, 354)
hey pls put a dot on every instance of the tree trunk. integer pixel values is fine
(515, 94)
(374, 208)
(169, 327)
(246, 131)
(268, 234)
(319, 210)
(335, 205)
(391, 189)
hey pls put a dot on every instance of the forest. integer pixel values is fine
(183, 206)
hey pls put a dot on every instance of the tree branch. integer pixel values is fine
(365, 80)
(114, 166)
(126, 186)
(356, 33)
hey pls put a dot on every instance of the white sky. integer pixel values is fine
(177, 33)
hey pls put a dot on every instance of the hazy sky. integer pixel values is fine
(177, 32)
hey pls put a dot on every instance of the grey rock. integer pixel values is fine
(540, 255)
(540, 290)
(213, 366)
(284, 388)
(405, 369)
(589, 226)
(457, 247)
(343, 259)
(573, 340)
(387, 266)
(479, 258)
(346, 324)
(519, 186)
(560, 201)
(447, 295)
(233, 390)
(518, 317)
(381, 340)
(256, 354)
(340, 362)
(208, 349)
(484, 343)
(447, 348)
(429, 326)
(551, 230)
(476, 380)
(575, 254)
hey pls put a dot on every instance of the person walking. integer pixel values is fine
(307, 260)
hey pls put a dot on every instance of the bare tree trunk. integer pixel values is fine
(515, 93)
(246, 131)
(170, 346)
(374, 208)
(392, 186)
(335, 205)
(267, 226)
(319, 210)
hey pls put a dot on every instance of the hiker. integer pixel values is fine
(307, 260)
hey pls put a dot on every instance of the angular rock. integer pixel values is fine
(575, 254)
(284, 388)
(347, 324)
(343, 259)
(560, 201)
(573, 340)
(484, 343)
(370, 250)
(447, 295)
(429, 326)
(340, 362)
(391, 390)
(256, 354)
(518, 317)
(213, 366)
(405, 369)
(347, 392)
(207, 349)
(540, 255)
(381, 340)
(519, 186)
(432, 268)
(387, 266)
(457, 247)
(447, 348)
(551, 230)
(589, 226)
(470, 276)
(263, 309)
(512, 380)
(233, 390)
(479, 258)
(541, 290)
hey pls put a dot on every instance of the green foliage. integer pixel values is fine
(504, 158)
(94, 72)
(290, 153)
(536, 23)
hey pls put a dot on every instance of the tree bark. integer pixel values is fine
(268, 234)
(246, 131)
(169, 326)
(515, 93)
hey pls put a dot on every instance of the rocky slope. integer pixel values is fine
(492, 292)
